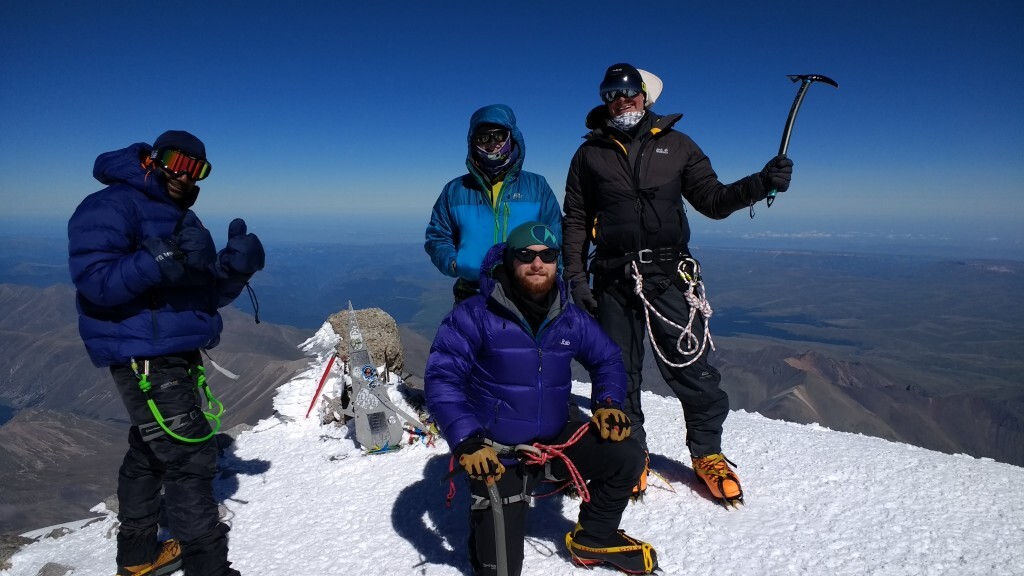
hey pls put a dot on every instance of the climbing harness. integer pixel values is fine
(176, 421)
(688, 344)
(530, 454)
(542, 454)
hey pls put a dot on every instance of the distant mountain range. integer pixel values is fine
(920, 350)
(60, 452)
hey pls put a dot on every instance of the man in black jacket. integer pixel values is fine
(624, 195)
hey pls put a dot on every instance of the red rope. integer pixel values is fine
(548, 453)
(451, 483)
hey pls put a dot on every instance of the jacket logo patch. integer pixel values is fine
(565, 342)
(516, 196)
(661, 150)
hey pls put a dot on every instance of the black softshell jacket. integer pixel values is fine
(625, 194)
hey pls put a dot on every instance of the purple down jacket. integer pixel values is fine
(489, 376)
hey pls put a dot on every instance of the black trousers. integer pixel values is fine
(183, 470)
(611, 469)
(697, 386)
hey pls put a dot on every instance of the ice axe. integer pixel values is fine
(805, 80)
(501, 552)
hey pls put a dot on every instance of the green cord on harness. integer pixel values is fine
(145, 385)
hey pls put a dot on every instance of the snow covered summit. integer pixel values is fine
(302, 498)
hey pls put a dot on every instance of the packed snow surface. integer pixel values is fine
(302, 498)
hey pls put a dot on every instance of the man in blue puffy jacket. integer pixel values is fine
(499, 375)
(149, 282)
(477, 210)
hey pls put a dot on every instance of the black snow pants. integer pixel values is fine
(612, 469)
(184, 471)
(697, 386)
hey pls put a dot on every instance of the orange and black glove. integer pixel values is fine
(480, 461)
(611, 423)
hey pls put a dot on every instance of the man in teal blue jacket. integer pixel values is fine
(477, 210)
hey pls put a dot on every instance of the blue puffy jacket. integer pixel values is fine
(489, 376)
(125, 307)
(465, 224)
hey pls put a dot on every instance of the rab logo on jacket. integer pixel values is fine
(661, 150)
(565, 342)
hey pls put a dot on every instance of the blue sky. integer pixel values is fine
(323, 109)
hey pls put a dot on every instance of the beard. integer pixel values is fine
(535, 286)
(182, 192)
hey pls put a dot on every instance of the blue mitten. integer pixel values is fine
(244, 253)
(168, 256)
(196, 243)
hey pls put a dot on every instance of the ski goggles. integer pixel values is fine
(177, 163)
(547, 256)
(494, 136)
(610, 95)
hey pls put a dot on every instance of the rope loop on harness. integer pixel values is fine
(688, 344)
(541, 454)
(530, 454)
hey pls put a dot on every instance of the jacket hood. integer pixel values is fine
(501, 115)
(493, 258)
(125, 166)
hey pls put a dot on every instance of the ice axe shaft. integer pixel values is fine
(805, 81)
(501, 552)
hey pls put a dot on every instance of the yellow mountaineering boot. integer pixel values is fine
(167, 561)
(724, 484)
(621, 551)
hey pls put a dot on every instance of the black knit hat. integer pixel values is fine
(183, 141)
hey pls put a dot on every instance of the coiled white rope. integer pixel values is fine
(688, 344)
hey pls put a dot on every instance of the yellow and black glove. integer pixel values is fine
(611, 423)
(481, 463)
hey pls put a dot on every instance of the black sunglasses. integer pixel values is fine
(547, 256)
(494, 135)
(611, 95)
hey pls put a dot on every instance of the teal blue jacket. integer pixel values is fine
(465, 224)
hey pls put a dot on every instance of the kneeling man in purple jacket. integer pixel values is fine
(498, 383)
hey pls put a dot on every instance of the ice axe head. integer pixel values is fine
(805, 81)
(808, 78)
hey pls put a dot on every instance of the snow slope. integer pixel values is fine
(302, 499)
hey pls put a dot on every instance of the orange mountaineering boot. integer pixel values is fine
(724, 484)
(641, 486)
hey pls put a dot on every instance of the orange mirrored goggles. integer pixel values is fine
(177, 163)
